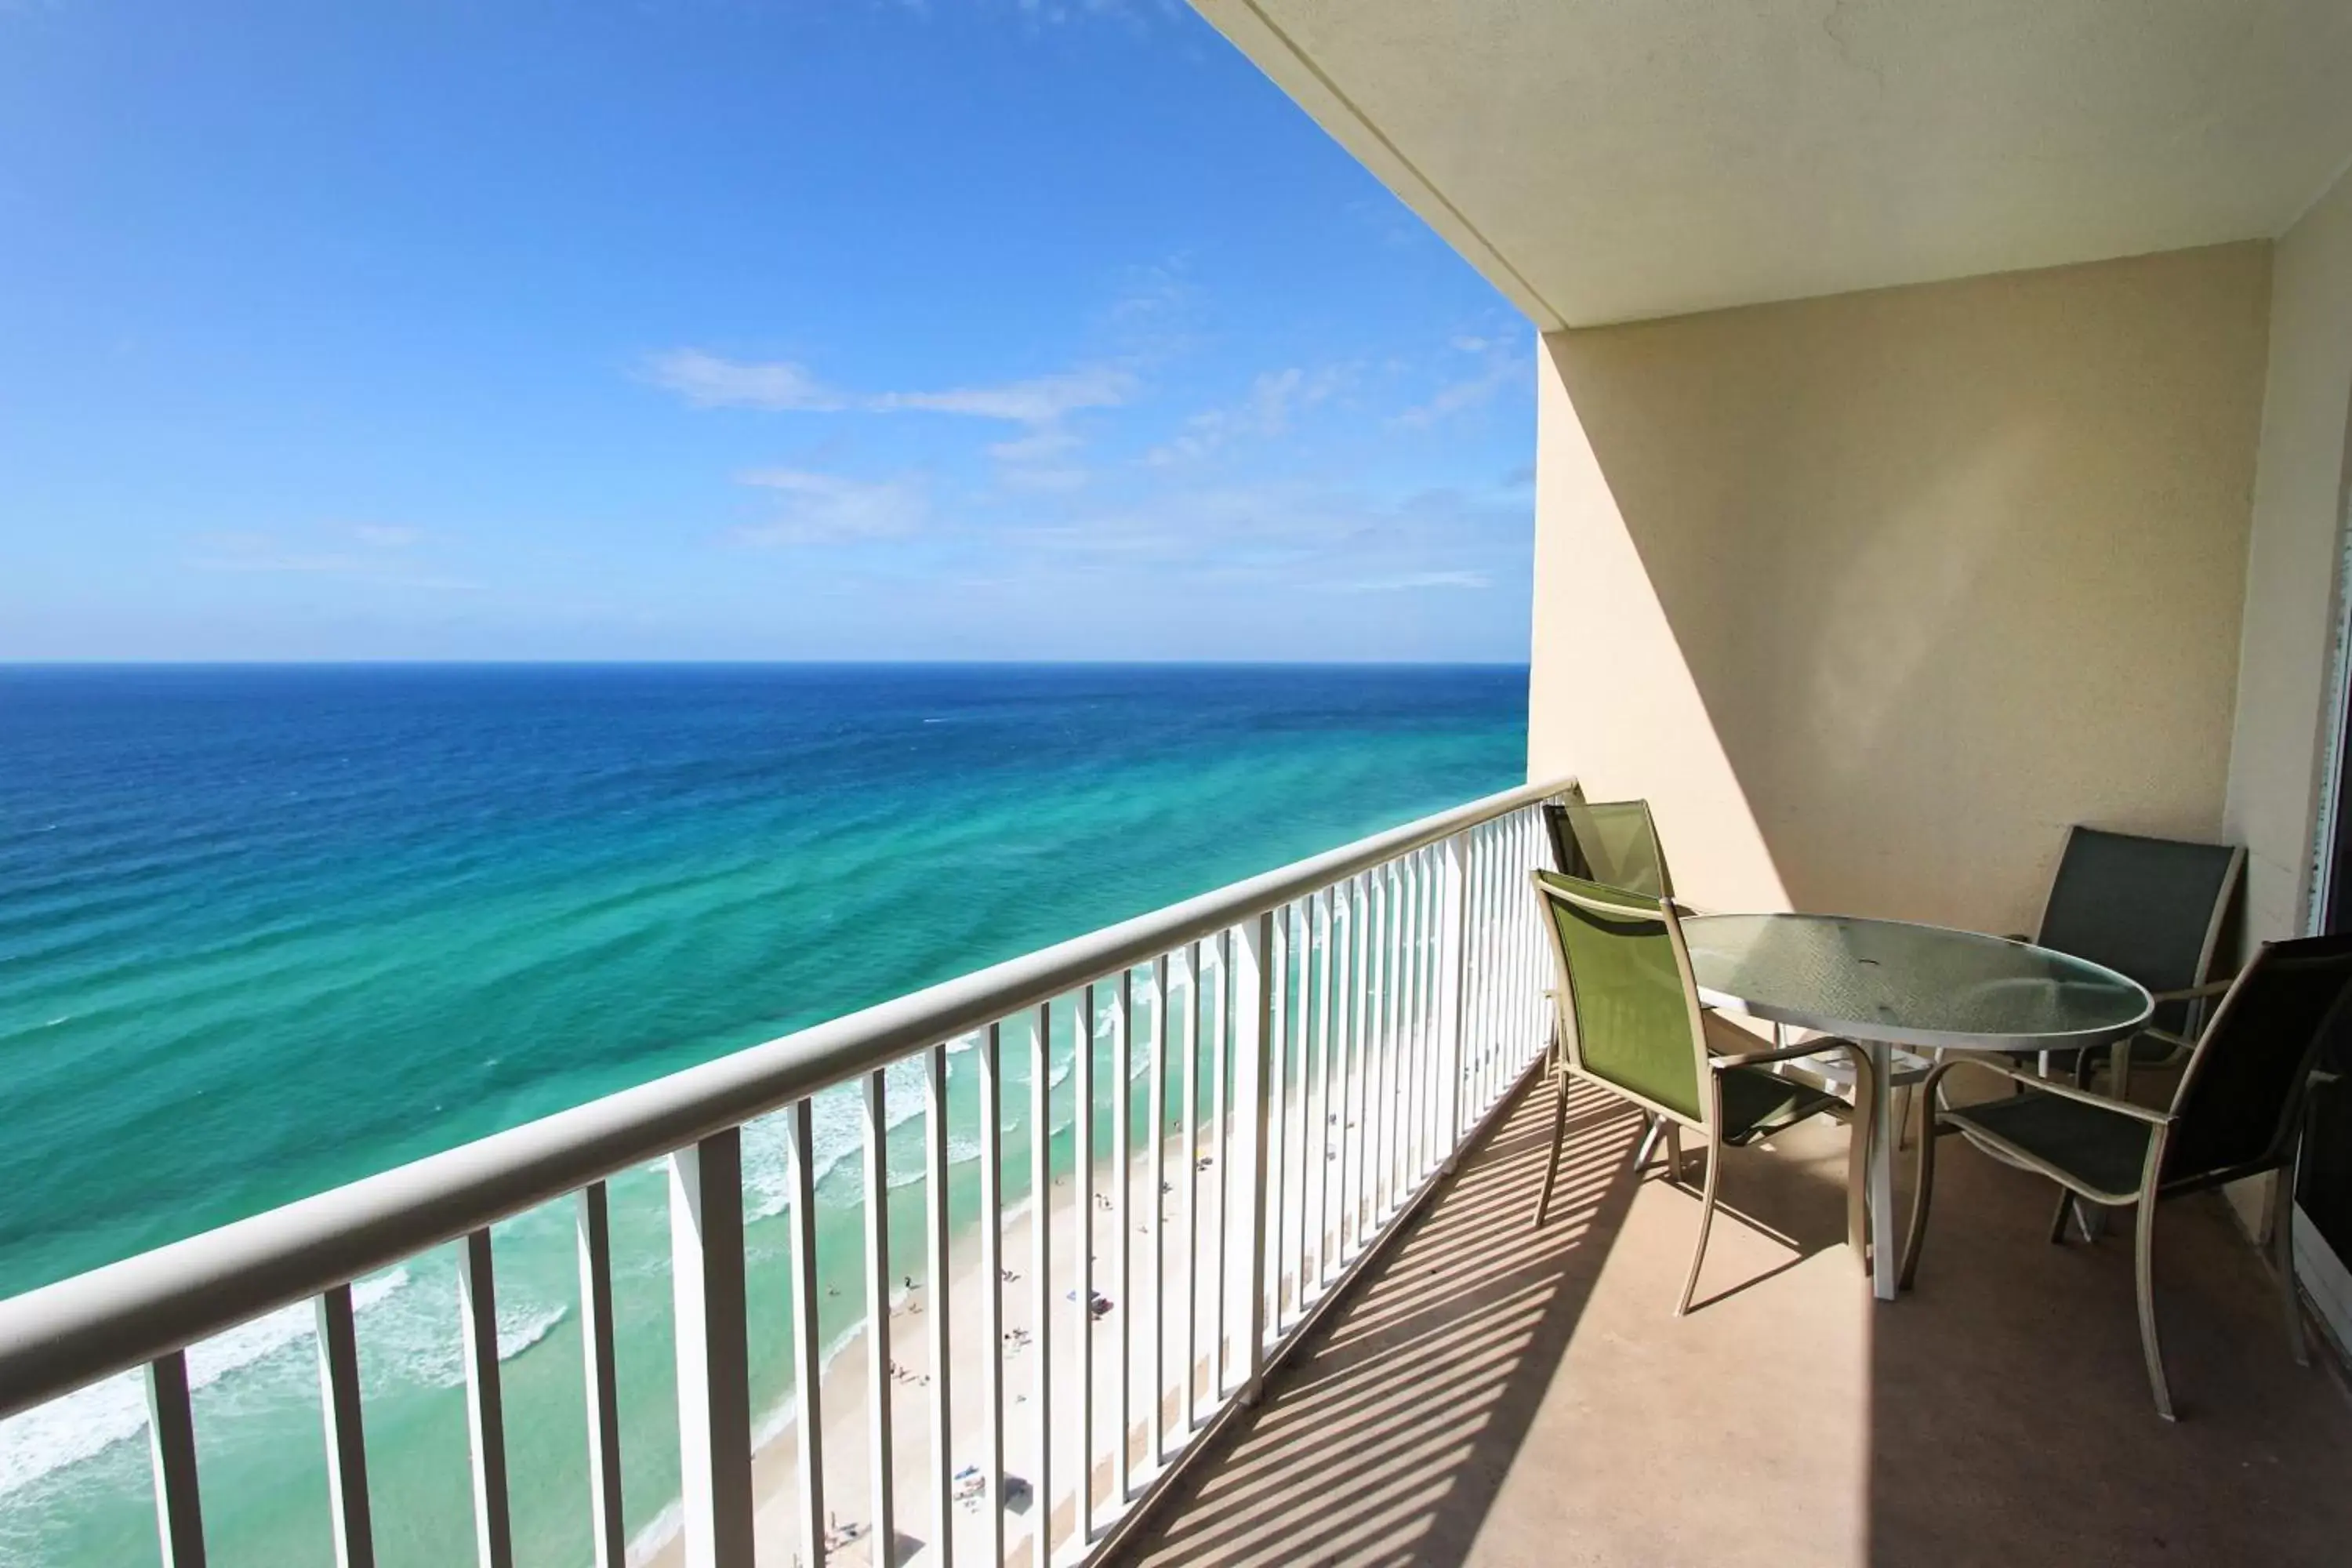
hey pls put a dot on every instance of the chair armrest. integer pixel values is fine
(2063, 1090)
(1761, 1059)
(2190, 994)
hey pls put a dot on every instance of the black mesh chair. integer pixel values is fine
(2150, 908)
(2238, 1112)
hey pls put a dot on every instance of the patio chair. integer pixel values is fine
(2150, 908)
(2238, 1112)
(1630, 1021)
(1612, 842)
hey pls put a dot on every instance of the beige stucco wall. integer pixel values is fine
(2299, 490)
(1873, 594)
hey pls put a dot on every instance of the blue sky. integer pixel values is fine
(723, 328)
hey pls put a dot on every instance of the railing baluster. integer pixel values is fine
(1268, 1180)
(339, 1388)
(1516, 879)
(1401, 1091)
(938, 1309)
(172, 1451)
(881, 1474)
(714, 1394)
(1424, 1078)
(1253, 1003)
(1353, 1166)
(1415, 1099)
(1221, 1130)
(1384, 1021)
(1451, 956)
(593, 1223)
(1517, 948)
(478, 1311)
(1192, 991)
(1291, 1073)
(1412, 1101)
(1122, 1254)
(1319, 1103)
(808, 1343)
(1041, 1236)
(1155, 1107)
(1082, 1175)
(1435, 1141)
(1526, 971)
(991, 1270)
(1490, 918)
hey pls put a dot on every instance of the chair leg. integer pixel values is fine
(1706, 1218)
(1921, 1195)
(1558, 1137)
(1857, 1192)
(2283, 1258)
(1673, 1151)
(2144, 1278)
(1649, 1143)
(2058, 1219)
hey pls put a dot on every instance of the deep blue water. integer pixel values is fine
(264, 930)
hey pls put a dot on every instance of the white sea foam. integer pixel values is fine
(837, 1133)
(658, 1532)
(521, 1328)
(88, 1421)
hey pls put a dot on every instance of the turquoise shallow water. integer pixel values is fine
(266, 930)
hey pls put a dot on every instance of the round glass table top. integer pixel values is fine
(1904, 984)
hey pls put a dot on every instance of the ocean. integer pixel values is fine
(264, 930)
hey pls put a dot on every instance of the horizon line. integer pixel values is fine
(592, 663)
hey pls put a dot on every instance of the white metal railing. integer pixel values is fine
(1332, 1033)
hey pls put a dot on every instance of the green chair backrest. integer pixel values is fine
(2147, 907)
(1629, 1012)
(2240, 1099)
(1612, 842)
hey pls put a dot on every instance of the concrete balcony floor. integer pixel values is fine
(1498, 1394)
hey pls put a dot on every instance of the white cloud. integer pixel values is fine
(1455, 397)
(1040, 460)
(1041, 400)
(827, 509)
(1266, 410)
(249, 551)
(1504, 365)
(1407, 582)
(383, 537)
(706, 381)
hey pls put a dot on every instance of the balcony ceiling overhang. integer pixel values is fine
(1613, 160)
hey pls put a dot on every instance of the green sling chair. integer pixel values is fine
(1612, 842)
(1629, 1020)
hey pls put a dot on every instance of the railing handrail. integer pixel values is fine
(62, 1336)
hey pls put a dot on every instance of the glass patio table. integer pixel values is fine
(1885, 984)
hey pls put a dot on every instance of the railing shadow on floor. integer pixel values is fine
(1390, 1432)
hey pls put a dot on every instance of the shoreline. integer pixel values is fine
(843, 1399)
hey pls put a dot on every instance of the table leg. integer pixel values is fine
(1880, 1121)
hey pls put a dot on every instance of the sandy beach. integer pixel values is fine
(1119, 1349)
